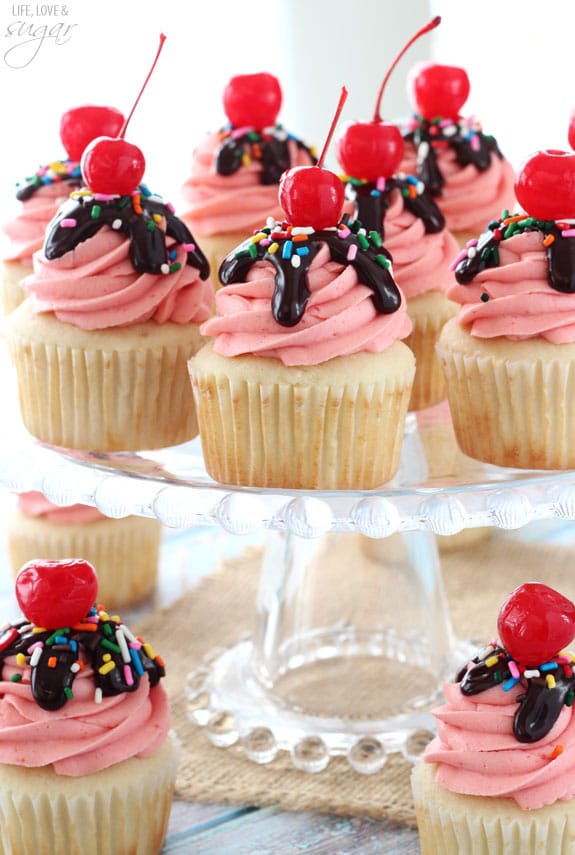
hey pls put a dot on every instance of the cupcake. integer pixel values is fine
(305, 383)
(460, 165)
(116, 299)
(509, 355)
(233, 185)
(400, 208)
(126, 550)
(499, 776)
(87, 759)
(41, 194)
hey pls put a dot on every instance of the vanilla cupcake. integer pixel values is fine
(233, 184)
(87, 759)
(305, 383)
(461, 165)
(101, 346)
(509, 356)
(125, 550)
(499, 777)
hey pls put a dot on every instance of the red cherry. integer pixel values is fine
(112, 166)
(253, 100)
(545, 185)
(81, 125)
(571, 131)
(56, 594)
(370, 150)
(438, 90)
(535, 623)
(311, 196)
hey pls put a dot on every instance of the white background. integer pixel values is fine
(519, 57)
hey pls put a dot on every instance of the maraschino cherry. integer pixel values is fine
(55, 594)
(80, 125)
(311, 196)
(535, 623)
(438, 90)
(571, 129)
(253, 100)
(112, 166)
(372, 150)
(545, 185)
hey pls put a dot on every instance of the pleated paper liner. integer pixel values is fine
(338, 425)
(124, 808)
(125, 552)
(428, 312)
(512, 402)
(223, 607)
(469, 825)
(103, 390)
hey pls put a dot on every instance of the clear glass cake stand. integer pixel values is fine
(352, 637)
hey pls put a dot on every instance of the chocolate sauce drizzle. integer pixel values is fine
(464, 137)
(371, 202)
(138, 216)
(53, 658)
(270, 147)
(66, 172)
(541, 703)
(349, 243)
(559, 249)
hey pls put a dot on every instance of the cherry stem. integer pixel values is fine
(334, 121)
(431, 25)
(150, 72)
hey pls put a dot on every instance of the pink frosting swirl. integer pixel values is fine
(478, 754)
(95, 286)
(35, 504)
(470, 197)
(229, 204)
(522, 304)
(82, 737)
(27, 230)
(340, 317)
(420, 261)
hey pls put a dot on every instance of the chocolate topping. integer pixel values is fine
(139, 216)
(270, 147)
(560, 250)
(541, 703)
(118, 661)
(371, 202)
(464, 137)
(291, 251)
(66, 172)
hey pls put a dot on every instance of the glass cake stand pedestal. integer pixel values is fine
(352, 637)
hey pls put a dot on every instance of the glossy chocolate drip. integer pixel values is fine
(560, 252)
(53, 669)
(291, 291)
(71, 179)
(271, 149)
(372, 204)
(82, 216)
(539, 706)
(469, 144)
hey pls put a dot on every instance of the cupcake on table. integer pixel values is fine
(305, 383)
(460, 164)
(402, 210)
(116, 299)
(41, 194)
(126, 551)
(87, 759)
(499, 777)
(233, 185)
(509, 355)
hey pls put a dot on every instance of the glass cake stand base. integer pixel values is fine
(348, 654)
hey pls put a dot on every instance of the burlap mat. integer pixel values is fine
(222, 607)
